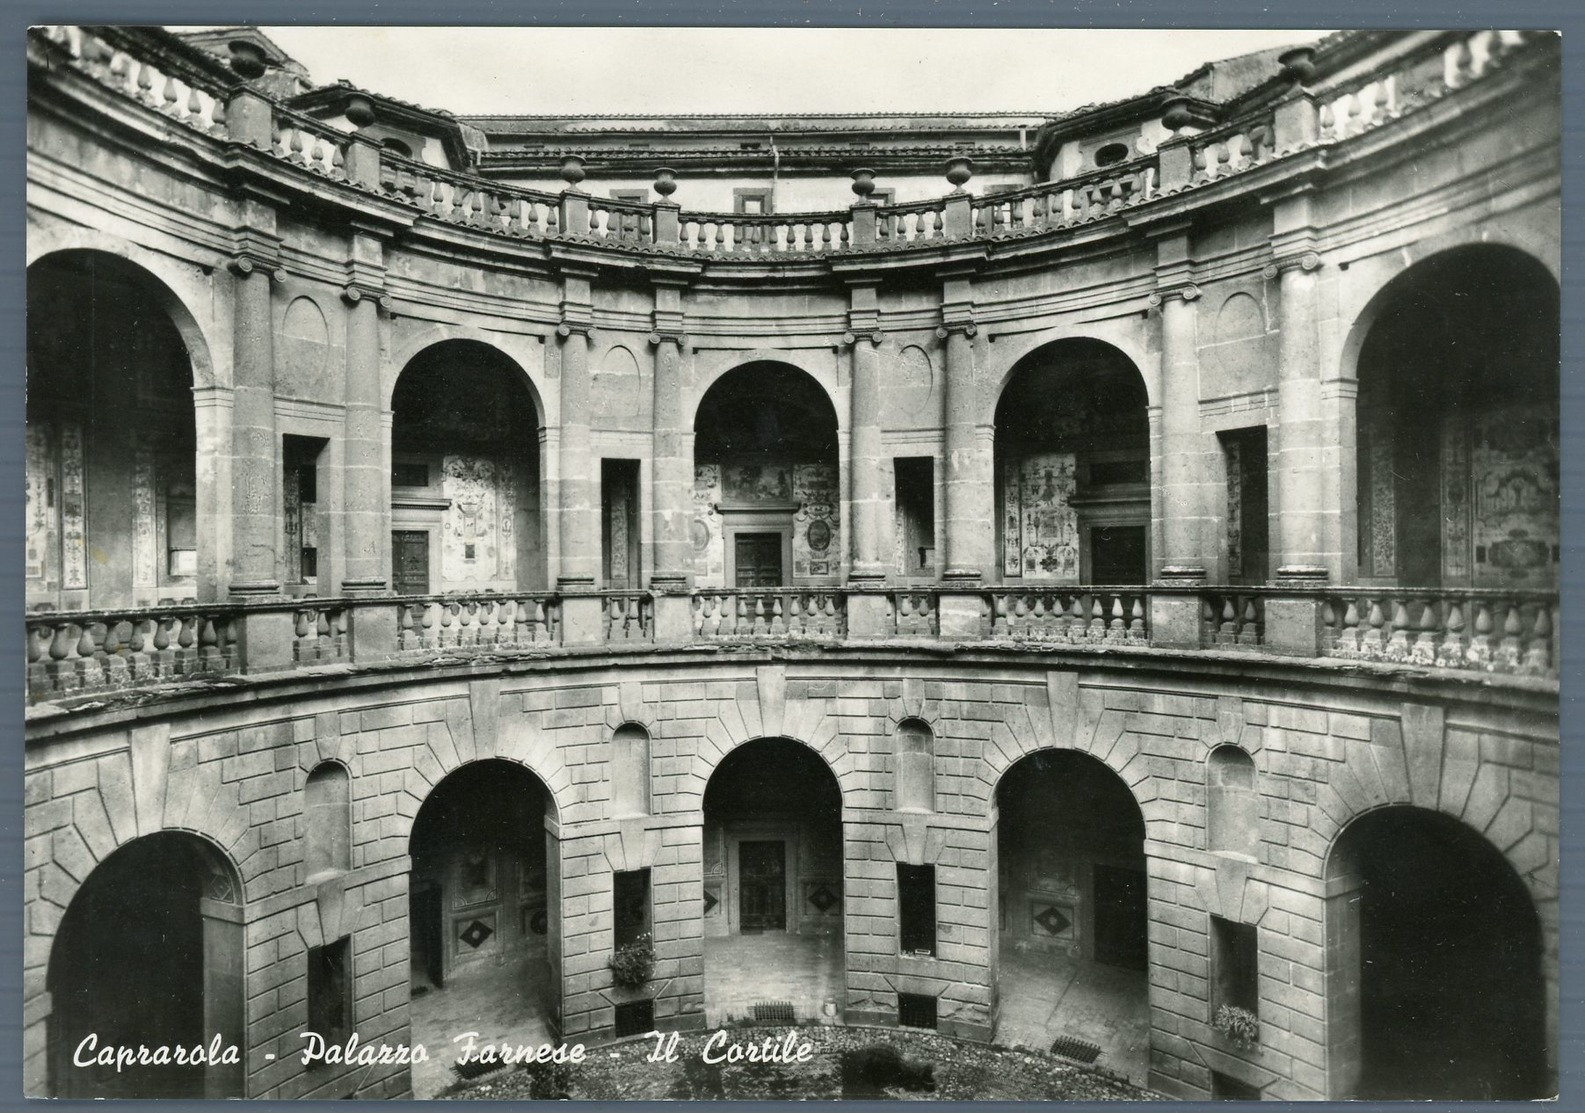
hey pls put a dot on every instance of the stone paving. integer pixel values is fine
(502, 1002)
(744, 970)
(1046, 995)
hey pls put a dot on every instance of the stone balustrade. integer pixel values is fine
(1332, 112)
(1496, 633)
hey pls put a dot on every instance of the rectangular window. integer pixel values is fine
(1244, 455)
(619, 531)
(405, 473)
(915, 494)
(629, 905)
(916, 909)
(1235, 966)
(752, 202)
(916, 1010)
(1224, 1087)
(330, 990)
(641, 196)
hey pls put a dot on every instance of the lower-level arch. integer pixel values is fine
(484, 915)
(150, 953)
(1072, 910)
(1434, 980)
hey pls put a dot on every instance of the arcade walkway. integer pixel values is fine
(741, 971)
(1044, 996)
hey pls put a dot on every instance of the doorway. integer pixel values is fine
(756, 560)
(762, 886)
(1120, 917)
(410, 561)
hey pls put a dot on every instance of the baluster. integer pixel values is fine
(1508, 655)
(1397, 648)
(1424, 651)
(1250, 633)
(1227, 631)
(1136, 623)
(1450, 654)
(1538, 654)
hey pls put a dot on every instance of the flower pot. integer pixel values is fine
(1298, 64)
(960, 170)
(360, 110)
(1175, 114)
(572, 169)
(665, 181)
(247, 59)
(863, 182)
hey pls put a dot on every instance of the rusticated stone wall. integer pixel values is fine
(1326, 749)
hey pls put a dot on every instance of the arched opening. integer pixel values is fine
(1433, 962)
(1072, 916)
(465, 474)
(150, 952)
(484, 914)
(767, 497)
(112, 505)
(773, 865)
(1232, 803)
(1457, 425)
(1073, 467)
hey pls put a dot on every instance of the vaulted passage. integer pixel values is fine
(773, 908)
(1458, 425)
(767, 501)
(1073, 467)
(465, 476)
(484, 914)
(112, 512)
(150, 952)
(1435, 988)
(1072, 917)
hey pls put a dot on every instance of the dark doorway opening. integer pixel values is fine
(762, 885)
(1121, 938)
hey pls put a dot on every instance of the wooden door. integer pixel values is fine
(757, 560)
(410, 561)
(762, 886)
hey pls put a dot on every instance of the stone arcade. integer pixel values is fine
(1090, 601)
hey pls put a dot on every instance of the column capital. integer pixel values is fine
(1304, 260)
(668, 336)
(877, 338)
(243, 265)
(575, 317)
(1185, 291)
(353, 293)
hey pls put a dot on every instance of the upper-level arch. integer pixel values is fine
(1072, 461)
(113, 358)
(822, 372)
(1457, 422)
(467, 496)
(1125, 334)
(767, 480)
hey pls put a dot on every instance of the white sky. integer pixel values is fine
(572, 70)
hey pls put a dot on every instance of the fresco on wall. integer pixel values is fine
(816, 544)
(1514, 462)
(1040, 532)
(476, 538)
(74, 533)
(40, 537)
(706, 540)
(757, 483)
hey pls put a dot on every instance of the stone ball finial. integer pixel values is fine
(863, 182)
(360, 110)
(1298, 64)
(665, 182)
(572, 169)
(1175, 114)
(247, 59)
(959, 170)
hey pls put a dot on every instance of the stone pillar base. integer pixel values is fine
(1293, 625)
(264, 640)
(1175, 620)
(673, 616)
(869, 613)
(371, 630)
(582, 615)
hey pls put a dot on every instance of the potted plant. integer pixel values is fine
(634, 962)
(1239, 1025)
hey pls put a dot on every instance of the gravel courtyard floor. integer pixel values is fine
(848, 1062)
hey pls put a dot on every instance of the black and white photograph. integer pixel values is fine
(764, 563)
